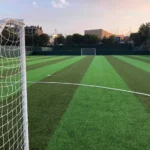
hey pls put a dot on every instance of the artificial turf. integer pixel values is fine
(41, 73)
(67, 117)
(102, 119)
(144, 57)
(136, 63)
(136, 78)
(39, 61)
(140, 59)
(45, 104)
(47, 62)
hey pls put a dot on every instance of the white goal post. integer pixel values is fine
(88, 51)
(13, 88)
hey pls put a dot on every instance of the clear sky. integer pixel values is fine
(74, 16)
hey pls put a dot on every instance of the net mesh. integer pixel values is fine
(11, 112)
(88, 51)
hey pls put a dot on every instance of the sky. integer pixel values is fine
(75, 16)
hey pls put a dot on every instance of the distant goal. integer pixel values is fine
(88, 51)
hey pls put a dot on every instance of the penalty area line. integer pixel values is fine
(92, 86)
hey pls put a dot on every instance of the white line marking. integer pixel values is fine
(92, 86)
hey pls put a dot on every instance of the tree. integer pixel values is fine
(142, 34)
(104, 40)
(44, 39)
(28, 40)
(137, 38)
(8, 37)
(110, 40)
(32, 40)
(91, 39)
(60, 39)
(77, 39)
(144, 29)
(36, 40)
(69, 40)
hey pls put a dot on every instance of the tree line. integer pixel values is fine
(10, 37)
(37, 40)
(142, 34)
(78, 39)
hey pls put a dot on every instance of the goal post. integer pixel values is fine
(13, 87)
(88, 51)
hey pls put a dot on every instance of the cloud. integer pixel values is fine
(59, 3)
(35, 4)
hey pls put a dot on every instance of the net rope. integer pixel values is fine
(11, 112)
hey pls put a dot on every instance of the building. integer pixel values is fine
(99, 32)
(102, 33)
(33, 30)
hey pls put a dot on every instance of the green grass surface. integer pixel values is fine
(101, 119)
(54, 104)
(140, 59)
(145, 57)
(68, 117)
(136, 63)
(38, 74)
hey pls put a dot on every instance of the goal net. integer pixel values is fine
(13, 97)
(88, 51)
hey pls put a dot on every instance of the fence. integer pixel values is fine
(101, 49)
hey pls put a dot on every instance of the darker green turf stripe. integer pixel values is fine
(30, 60)
(146, 56)
(39, 58)
(32, 67)
(50, 62)
(55, 100)
(140, 59)
(137, 79)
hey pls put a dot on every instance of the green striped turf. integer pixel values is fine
(103, 119)
(136, 63)
(40, 73)
(51, 101)
(144, 57)
(33, 62)
(10, 62)
(46, 63)
(140, 59)
(137, 79)
(38, 61)
(34, 57)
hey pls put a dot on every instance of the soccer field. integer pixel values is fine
(88, 103)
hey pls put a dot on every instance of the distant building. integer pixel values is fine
(102, 33)
(99, 32)
(33, 30)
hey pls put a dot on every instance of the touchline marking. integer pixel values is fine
(92, 86)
